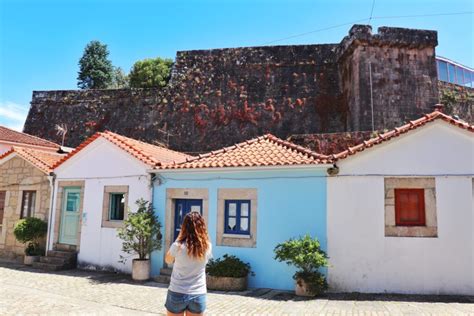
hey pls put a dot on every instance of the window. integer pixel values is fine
(237, 217)
(442, 70)
(459, 76)
(468, 78)
(28, 204)
(452, 74)
(2, 205)
(410, 207)
(116, 206)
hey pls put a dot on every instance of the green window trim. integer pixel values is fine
(116, 206)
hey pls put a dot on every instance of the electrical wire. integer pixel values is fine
(313, 177)
(371, 12)
(421, 15)
(368, 18)
(315, 31)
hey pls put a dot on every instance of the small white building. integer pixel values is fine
(400, 212)
(95, 187)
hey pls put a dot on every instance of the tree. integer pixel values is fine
(30, 231)
(141, 232)
(306, 255)
(150, 73)
(120, 79)
(95, 69)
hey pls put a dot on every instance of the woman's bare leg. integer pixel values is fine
(168, 313)
(188, 313)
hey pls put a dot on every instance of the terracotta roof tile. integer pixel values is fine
(12, 136)
(266, 150)
(43, 160)
(152, 155)
(412, 125)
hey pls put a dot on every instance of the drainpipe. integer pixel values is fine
(371, 96)
(52, 179)
(152, 177)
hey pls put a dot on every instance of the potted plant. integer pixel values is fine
(30, 231)
(141, 234)
(227, 274)
(305, 254)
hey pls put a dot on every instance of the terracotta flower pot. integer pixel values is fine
(140, 269)
(28, 260)
(226, 283)
(301, 289)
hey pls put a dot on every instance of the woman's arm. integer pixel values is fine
(169, 259)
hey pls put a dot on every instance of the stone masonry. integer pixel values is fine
(16, 176)
(222, 96)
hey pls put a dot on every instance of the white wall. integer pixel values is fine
(364, 260)
(102, 164)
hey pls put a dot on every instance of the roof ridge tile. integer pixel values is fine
(412, 125)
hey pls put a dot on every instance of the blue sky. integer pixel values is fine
(42, 41)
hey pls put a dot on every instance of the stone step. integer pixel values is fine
(57, 260)
(166, 271)
(62, 254)
(50, 266)
(65, 247)
(165, 279)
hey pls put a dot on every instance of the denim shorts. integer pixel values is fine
(177, 303)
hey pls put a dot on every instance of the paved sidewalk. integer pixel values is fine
(25, 291)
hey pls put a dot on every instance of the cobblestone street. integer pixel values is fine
(25, 291)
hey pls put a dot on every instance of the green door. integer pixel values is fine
(69, 227)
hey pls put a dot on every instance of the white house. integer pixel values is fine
(96, 186)
(400, 211)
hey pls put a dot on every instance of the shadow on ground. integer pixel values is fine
(105, 277)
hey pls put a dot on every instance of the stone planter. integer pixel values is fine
(226, 283)
(140, 269)
(301, 289)
(28, 260)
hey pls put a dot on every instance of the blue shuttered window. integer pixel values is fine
(237, 217)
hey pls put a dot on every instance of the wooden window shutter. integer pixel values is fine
(410, 207)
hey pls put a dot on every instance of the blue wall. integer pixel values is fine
(290, 203)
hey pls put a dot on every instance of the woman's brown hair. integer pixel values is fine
(194, 234)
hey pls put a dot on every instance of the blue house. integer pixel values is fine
(253, 196)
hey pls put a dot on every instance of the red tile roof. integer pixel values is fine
(267, 150)
(412, 125)
(152, 155)
(12, 136)
(43, 160)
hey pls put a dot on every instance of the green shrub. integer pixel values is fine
(30, 231)
(306, 255)
(141, 232)
(228, 266)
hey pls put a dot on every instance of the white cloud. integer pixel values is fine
(13, 115)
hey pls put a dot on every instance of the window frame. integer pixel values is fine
(238, 216)
(420, 192)
(3, 202)
(111, 201)
(443, 76)
(106, 205)
(31, 204)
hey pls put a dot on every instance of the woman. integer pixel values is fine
(189, 255)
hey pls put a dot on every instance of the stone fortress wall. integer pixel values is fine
(218, 97)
